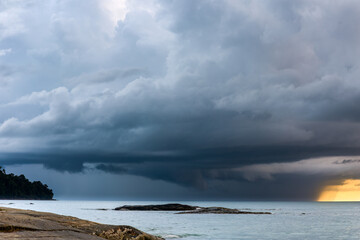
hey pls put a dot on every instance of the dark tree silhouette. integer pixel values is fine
(19, 187)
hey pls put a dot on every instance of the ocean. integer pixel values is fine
(290, 220)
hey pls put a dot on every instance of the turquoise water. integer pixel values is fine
(290, 220)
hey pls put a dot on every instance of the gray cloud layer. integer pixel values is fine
(192, 89)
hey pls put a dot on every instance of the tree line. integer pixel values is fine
(19, 187)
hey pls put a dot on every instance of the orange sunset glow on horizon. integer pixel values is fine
(348, 191)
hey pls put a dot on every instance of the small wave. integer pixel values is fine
(173, 236)
(191, 235)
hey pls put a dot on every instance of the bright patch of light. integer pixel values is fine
(349, 191)
(116, 10)
(3, 52)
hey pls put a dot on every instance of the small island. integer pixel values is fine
(20, 188)
(185, 209)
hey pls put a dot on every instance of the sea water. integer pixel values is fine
(289, 220)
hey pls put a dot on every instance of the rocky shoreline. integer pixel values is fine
(18, 224)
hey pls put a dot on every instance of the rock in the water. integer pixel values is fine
(160, 207)
(219, 210)
(185, 209)
(26, 225)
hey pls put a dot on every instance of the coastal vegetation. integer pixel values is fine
(19, 187)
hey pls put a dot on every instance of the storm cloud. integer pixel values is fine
(195, 93)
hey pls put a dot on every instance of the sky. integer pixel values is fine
(190, 99)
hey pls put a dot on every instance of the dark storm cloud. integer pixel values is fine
(189, 92)
(229, 80)
(346, 161)
(249, 170)
(111, 168)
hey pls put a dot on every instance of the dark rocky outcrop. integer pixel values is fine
(24, 224)
(160, 207)
(220, 210)
(185, 209)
